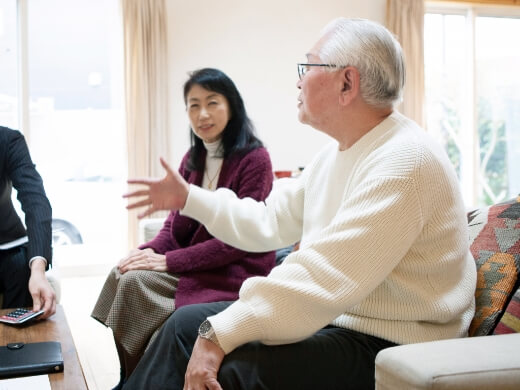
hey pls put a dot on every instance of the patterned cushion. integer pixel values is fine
(510, 321)
(495, 245)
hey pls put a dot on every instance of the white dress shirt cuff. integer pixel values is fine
(38, 257)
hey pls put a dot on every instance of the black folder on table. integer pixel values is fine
(19, 359)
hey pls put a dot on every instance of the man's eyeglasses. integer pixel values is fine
(304, 68)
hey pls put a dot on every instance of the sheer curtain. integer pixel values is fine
(146, 91)
(405, 18)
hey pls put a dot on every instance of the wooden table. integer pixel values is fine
(54, 328)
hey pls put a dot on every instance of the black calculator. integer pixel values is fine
(20, 316)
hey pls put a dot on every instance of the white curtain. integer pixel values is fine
(146, 91)
(405, 18)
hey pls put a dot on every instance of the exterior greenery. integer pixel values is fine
(493, 170)
(493, 156)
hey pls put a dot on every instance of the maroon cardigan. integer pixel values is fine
(208, 269)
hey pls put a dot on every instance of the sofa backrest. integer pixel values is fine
(495, 245)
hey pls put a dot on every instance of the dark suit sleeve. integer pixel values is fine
(31, 194)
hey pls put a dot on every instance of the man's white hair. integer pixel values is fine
(373, 51)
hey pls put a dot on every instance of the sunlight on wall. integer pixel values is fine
(258, 45)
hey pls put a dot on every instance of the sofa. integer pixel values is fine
(490, 357)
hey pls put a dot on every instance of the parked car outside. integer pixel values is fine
(89, 224)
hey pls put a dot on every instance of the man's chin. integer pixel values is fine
(301, 117)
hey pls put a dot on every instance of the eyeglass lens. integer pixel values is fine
(302, 69)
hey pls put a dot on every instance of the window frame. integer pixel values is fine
(469, 179)
(507, 3)
(23, 68)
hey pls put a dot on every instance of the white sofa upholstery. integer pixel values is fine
(472, 363)
(148, 228)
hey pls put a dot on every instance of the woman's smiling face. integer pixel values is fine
(209, 113)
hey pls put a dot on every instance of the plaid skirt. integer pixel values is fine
(135, 305)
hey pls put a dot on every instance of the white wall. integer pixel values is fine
(257, 43)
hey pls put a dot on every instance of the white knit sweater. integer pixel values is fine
(383, 245)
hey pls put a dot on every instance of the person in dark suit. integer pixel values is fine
(25, 251)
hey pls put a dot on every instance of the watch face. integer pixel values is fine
(204, 328)
(206, 332)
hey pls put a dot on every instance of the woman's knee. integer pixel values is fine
(128, 280)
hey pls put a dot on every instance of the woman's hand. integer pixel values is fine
(202, 370)
(168, 193)
(145, 259)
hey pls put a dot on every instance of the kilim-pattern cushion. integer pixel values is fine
(495, 246)
(510, 321)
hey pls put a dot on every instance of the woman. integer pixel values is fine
(184, 264)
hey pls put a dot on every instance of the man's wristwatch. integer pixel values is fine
(206, 332)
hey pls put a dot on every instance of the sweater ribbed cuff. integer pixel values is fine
(235, 326)
(199, 204)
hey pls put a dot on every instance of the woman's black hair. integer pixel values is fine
(239, 134)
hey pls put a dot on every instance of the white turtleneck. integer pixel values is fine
(213, 165)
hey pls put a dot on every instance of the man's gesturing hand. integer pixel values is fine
(168, 193)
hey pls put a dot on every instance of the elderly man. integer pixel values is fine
(25, 251)
(383, 256)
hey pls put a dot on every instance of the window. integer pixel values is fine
(8, 65)
(72, 74)
(473, 96)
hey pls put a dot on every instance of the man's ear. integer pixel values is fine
(349, 84)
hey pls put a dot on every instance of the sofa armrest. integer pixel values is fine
(487, 362)
(148, 228)
(54, 280)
